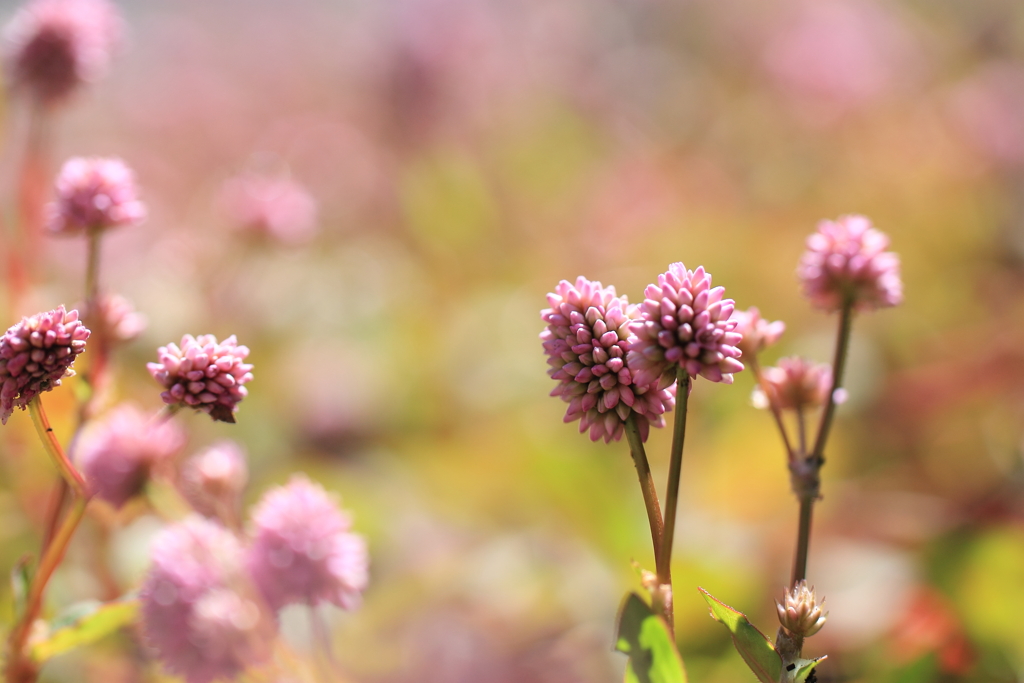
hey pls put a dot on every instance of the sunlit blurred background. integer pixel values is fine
(464, 156)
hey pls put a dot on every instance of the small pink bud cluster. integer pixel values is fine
(795, 384)
(278, 208)
(684, 322)
(203, 374)
(213, 479)
(116, 320)
(36, 354)
(846, 262)
(586, 340)
(800, 612)
(94, 194)
(758, 334)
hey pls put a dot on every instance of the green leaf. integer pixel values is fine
(84, 623)
(645, 637)
(755, 648)
(802, 669)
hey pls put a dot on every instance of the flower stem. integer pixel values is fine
(838, 367)
(643, 471)
(755, 368)
(54, 450)
(675, 469)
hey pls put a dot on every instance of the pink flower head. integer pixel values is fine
(277, 207)
(36, 354)
(94, 194)
(119, 452)
(203, 374)
(758, 333)
(199, 611)
(586, 341)
(52, 46)
(846, 261)
(213, 479)
(796, 383)
(302, 550)
(117, 319)
(684, 322)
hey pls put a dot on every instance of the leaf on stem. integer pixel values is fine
(802, 670)
(645, 638)
(755, 647)
(84, 623)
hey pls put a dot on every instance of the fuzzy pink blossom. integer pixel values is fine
(684, 322)
(796, 383)
(586, 340)
(758, 333)
(276, 207)
(303, 551)
(53, 46)
(212, 480)
(199, 612)
(203, 374)
(119, 452)
(94, 194)
(115, 320)
(846, 261)
(36, 354)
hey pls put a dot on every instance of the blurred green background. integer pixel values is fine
(468, 154)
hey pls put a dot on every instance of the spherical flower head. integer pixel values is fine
(116, 320)
(203, 374)
(53, 46)
(845, 262)
(119, 452)
(758, 334)
(275, 207)
(194, 584)
(586, 341)
(795, 384)
(685, 322)
(799, 612)
(36, 354)
(302, 550)
(94, 194)
(212, 480)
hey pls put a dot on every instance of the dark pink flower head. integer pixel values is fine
(758, 333)
(302, 550)
(586, 341)
(277, 207)
(199, 611)
(846, 261)
(119, 452)
(796, 383)
(685, 322)
(94, 194)
(213, 479)
(36, 354)
(52, 46)
(203, 374)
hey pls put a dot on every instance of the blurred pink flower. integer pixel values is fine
(302, 550)
(846, 260)
(276, 207)
(117, 319)
(94, 194)
(203, 374)
(212, 480)
(119, 452)
(52, 46)
(987, 107)
(36, 354)
(684, 322)
(586, 340)
(758, 333)
(796, 383)
(197, 611)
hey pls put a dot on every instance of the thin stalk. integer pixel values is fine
(838, 367)
(801, 426)
(803, 540)
(755, 368)
(54, 450)
(643, 471)
(674, 473)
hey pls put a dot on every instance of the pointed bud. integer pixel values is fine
(799, 613)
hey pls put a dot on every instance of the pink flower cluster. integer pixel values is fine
(36, 354)
(587, 339)
(94, 194)
(203, 374)
(213, 479)
(278, 208)
(758, 334)
(796, 383)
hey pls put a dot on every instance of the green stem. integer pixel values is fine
(54, 449)
(675, 469)
(838, 368)
(803, 540)
(643, 471)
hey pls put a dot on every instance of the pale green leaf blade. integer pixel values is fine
(83, 624)
(645, 638)
(802, 669)
(755, 648)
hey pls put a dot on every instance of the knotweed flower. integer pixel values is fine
(213, 479)
(119, 452)
(586, 341)
(278, 208)
(799, 612)
(796, 383)
(684, 322)
(94, 194)
(845, 262)
(203, 374)
(302, 550)
(36, 354)
(117, 319)
(53, 46)
(758, 334)
(198, 610)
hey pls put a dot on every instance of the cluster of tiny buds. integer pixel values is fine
(203, 374)
(795, 384)
(800, 613)
(94, 194)
(758, 333)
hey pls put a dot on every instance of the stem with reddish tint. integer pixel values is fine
(755, 368)
(643, 471)
(675, 469)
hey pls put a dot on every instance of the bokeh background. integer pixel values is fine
(468, 154)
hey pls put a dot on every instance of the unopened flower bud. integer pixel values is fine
(758, 333)
(213, 479)
(795, 384)
(799, 612)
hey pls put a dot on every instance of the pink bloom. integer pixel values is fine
(795, 384)
(52, 46)
(758, 333)
(36, 354)
(118, 453)
(586, 340)
(213, 479)
(94, 194)
(846, 261)
(279, 208)
(203, 374)
(684, 322)
(117, 319)
(302, 550)
(198, 609)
